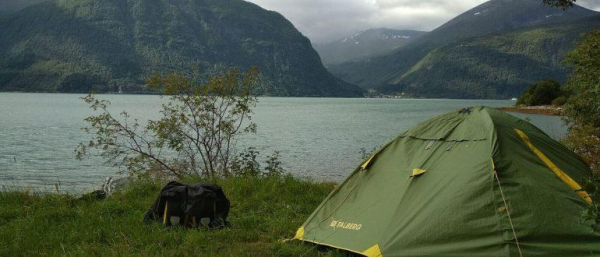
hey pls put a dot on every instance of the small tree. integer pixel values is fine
(195, 135)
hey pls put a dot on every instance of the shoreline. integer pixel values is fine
(540, 110)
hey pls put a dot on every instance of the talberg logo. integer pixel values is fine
(345, 225)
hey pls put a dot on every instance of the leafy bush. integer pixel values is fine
(245, 164)
(541, 93)
(583, 108)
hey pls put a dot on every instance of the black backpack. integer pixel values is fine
(189, 205)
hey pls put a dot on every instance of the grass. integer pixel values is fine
(263, 212)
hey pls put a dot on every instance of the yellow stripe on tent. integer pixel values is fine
(417, 172)
(365, 164)
(561, 174)
(299, 233)
(374, 251)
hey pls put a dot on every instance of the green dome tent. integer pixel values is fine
(476, 182)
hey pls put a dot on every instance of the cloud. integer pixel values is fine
(590, 4)
(328, 20)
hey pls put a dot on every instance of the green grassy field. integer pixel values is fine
(263, 212)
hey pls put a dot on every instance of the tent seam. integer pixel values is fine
(512, 226)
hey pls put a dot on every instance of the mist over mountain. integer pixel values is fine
(107, 45)
(494, 50)
(368, 43)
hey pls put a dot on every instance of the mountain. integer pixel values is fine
(107, 45)
(368, 43)
(494, 66)
(494, 50)
(497, 16)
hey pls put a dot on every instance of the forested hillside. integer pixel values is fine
(104, 45)
(495, 50)
(495, 66)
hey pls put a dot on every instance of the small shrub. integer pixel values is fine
(274, 165)
(245, 164)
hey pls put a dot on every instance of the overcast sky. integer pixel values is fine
(328, 20)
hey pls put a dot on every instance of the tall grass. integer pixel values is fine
(264, 211)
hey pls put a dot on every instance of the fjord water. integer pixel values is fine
(319, 138)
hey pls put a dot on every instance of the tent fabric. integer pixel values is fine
(462, 184)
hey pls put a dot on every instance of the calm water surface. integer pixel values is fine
(319, 138)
